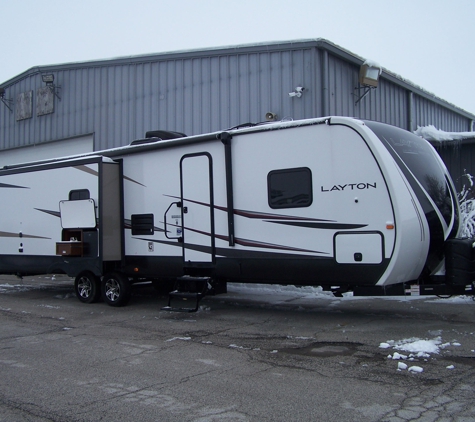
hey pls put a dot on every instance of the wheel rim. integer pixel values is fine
(112, 290)
(84, 287)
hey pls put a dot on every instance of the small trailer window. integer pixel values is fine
(142, 224)
(79, 194)
(290, 188)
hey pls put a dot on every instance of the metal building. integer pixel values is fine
(77, 107)
(459, 157)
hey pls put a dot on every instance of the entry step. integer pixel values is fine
(188, 288)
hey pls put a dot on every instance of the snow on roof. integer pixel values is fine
(431, 133)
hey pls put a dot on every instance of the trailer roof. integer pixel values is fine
(105, 155)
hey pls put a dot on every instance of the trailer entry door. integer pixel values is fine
(198, 209)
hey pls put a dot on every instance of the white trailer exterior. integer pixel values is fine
(332, 202)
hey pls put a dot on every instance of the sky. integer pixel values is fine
(428, 42)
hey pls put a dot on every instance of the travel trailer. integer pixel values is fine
(336, 202)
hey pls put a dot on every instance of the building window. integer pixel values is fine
(44, 101)
(290, 188)
(24, 103)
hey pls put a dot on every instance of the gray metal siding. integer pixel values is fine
(391, 105)
(341, 84)
(459, 157)
(204, 91)
(430, 113)
(120, 103)
(386, 104)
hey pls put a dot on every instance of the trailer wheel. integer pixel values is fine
(87, 287)
(116, 289)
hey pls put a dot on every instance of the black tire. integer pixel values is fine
(87, 287)
(116, 289)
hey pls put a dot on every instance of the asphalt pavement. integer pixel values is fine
(253, 354)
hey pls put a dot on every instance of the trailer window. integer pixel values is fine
(79, 194)
(142, 224)
(290, 188)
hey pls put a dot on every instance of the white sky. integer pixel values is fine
(429, 42)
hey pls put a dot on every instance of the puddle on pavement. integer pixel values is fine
(324, 350)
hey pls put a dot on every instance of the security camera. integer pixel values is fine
(298, 92)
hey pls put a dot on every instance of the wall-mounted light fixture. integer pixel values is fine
(48, 79)
(368, 78)
(4, 100)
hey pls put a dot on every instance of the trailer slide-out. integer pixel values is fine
(346, 204)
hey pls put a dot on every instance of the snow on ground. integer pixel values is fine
(272, 293)
(6, 287)
(410, 353)
(407, 352)
(415, 350)
(279, 291)
(23, 285)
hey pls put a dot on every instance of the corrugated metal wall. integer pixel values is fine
(120, 103)
(198, 92)
(427, 113)
(459, 157)
(212, 93)
(386, 104)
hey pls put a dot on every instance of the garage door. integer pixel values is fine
(73, 146)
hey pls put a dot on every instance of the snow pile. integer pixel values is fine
(417, 349)
(431, 133)
(307, 291)
(419, 346)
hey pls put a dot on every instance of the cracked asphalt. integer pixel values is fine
(242, 357)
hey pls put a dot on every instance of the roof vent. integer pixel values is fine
(164, 134)
(145, 141)
(158, 135)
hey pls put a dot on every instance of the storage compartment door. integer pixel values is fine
(359, 248)
(78, 214)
